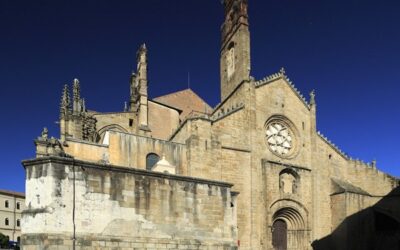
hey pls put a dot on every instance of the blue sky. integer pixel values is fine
(348, 51)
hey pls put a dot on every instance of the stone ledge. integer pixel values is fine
(108, 167)
(65, 241)
(284, 164)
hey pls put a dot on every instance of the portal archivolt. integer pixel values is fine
(289, 229)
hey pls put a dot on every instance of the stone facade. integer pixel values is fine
(254, 172)
(84, 204)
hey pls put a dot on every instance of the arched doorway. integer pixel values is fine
(288, 229)
(279, 235)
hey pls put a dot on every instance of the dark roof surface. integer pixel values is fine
(12, 193)
(343, 186)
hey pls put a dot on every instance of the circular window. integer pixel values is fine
(280, 137)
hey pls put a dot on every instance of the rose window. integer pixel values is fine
(279, 138)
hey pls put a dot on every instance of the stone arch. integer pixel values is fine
(101, 132)
(292, 217)
(151, 160)
(295, 215)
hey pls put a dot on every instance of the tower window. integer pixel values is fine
(18, 223)
(6, 204)
(18, 205)
(151, 160)
(130, 122)
(6, 222)
(230, 60)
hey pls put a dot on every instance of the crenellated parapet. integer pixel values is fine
(358, 162)
(334, 147)
(224, 112)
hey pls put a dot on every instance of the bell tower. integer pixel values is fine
(235, 46)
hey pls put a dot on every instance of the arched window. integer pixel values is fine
(6, 204)
(230, 60)
(6, 222)
(18, 205)
(18, 223)
(19, 239)
(151, 160)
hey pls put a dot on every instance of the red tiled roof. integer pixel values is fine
(185, 100)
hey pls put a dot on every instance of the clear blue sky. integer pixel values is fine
(348, 51)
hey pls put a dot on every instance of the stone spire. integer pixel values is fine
(142, 70)
(134, 93)
(77, 101)
(65, 101)
(141, 83)
(76, 90)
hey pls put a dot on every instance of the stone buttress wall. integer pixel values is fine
(120, 120)
(109, 207)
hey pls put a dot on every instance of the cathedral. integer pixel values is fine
(174, 173)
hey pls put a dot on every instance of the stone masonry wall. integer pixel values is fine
(123, 208)
(128, 150)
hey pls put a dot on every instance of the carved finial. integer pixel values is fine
(282, 71)
(373, 163)
(45, 133)
(312, 97)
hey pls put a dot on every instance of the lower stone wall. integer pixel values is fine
(111, 207)
(94, 242)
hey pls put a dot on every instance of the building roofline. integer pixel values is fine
(181, 91)
(12, 193)
(163, 104)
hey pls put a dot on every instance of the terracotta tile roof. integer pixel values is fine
(12, 193)
(185, 100)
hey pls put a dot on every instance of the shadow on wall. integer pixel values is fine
(374, 228)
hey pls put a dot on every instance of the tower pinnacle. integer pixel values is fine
(65, 101)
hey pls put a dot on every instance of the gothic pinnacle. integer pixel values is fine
(65, 100)
(312, 97)
(76, 90)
